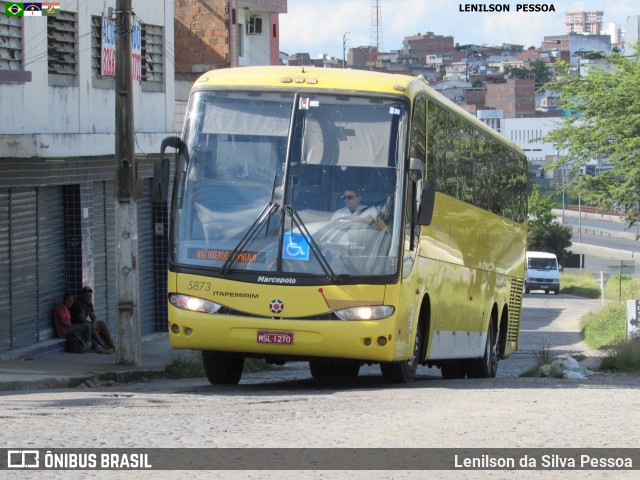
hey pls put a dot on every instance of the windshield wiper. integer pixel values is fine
(291, 211)
(269, 209)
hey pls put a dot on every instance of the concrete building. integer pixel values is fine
(419, 46)
(522, 131)
(212, 34)
(362, 57)
(590, 22)
(226, 33)
(631, 34)
(575, 44)
(57, 164)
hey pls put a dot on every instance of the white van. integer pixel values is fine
(541, 272)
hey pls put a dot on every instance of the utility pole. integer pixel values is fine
(128, 350)
(344, 49)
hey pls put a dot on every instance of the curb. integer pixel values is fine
(83, 381)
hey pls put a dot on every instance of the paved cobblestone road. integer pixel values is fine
(286, 408)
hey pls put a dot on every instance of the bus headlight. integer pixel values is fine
(375, 312)
(194, 304)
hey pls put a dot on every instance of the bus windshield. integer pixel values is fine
(292, 184)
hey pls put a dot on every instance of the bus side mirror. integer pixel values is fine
(161, 171)
(427, 203)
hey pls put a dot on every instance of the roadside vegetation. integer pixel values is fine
(605, 329)
(602, 329)
(581, 284)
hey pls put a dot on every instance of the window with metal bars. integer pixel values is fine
(96, 46)
(152, 53)
(62, 47)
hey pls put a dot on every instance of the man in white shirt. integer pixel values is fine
(353, 209)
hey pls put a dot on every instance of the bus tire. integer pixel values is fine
(405, 372)
(487, 366)
(222, 369)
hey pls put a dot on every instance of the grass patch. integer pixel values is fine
(185, 365)
(606, 328)
(630, 288)
(623, 357)
(580, 284)
(189, 365)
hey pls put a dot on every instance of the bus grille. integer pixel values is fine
(515, 308)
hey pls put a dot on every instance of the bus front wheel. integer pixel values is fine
(405, 372)
(221, 369)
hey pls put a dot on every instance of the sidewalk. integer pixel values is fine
(69, 370)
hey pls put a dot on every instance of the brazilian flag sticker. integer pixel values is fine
(14, 9)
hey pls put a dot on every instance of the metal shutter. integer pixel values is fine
(51, 257)
(5, 268)
(145, 260)
(23, 267)
(103, 235)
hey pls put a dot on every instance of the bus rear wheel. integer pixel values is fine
(222, 369)
(487, 366)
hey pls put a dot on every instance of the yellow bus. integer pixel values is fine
(341, 218)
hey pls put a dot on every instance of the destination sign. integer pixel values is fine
(224, 255)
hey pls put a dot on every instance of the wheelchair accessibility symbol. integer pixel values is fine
(296, 247)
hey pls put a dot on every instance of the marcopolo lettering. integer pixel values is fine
(288, 280)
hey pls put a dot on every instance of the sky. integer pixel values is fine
(319, 26)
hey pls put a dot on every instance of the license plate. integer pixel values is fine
(280, 338)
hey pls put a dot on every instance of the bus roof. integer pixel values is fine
(337, 79)
(309, 77)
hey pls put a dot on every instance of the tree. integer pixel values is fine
(512, 71)
(541, 72)
(545, 234)
(604, 125)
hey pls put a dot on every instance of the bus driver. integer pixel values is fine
(353, 210)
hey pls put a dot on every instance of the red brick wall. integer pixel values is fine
(201, 35)
(515, 97)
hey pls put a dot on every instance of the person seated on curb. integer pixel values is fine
(82, 312)
(62, 322)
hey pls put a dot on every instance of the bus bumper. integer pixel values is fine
(371, 340)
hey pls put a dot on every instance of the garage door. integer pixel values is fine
(32, 263)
